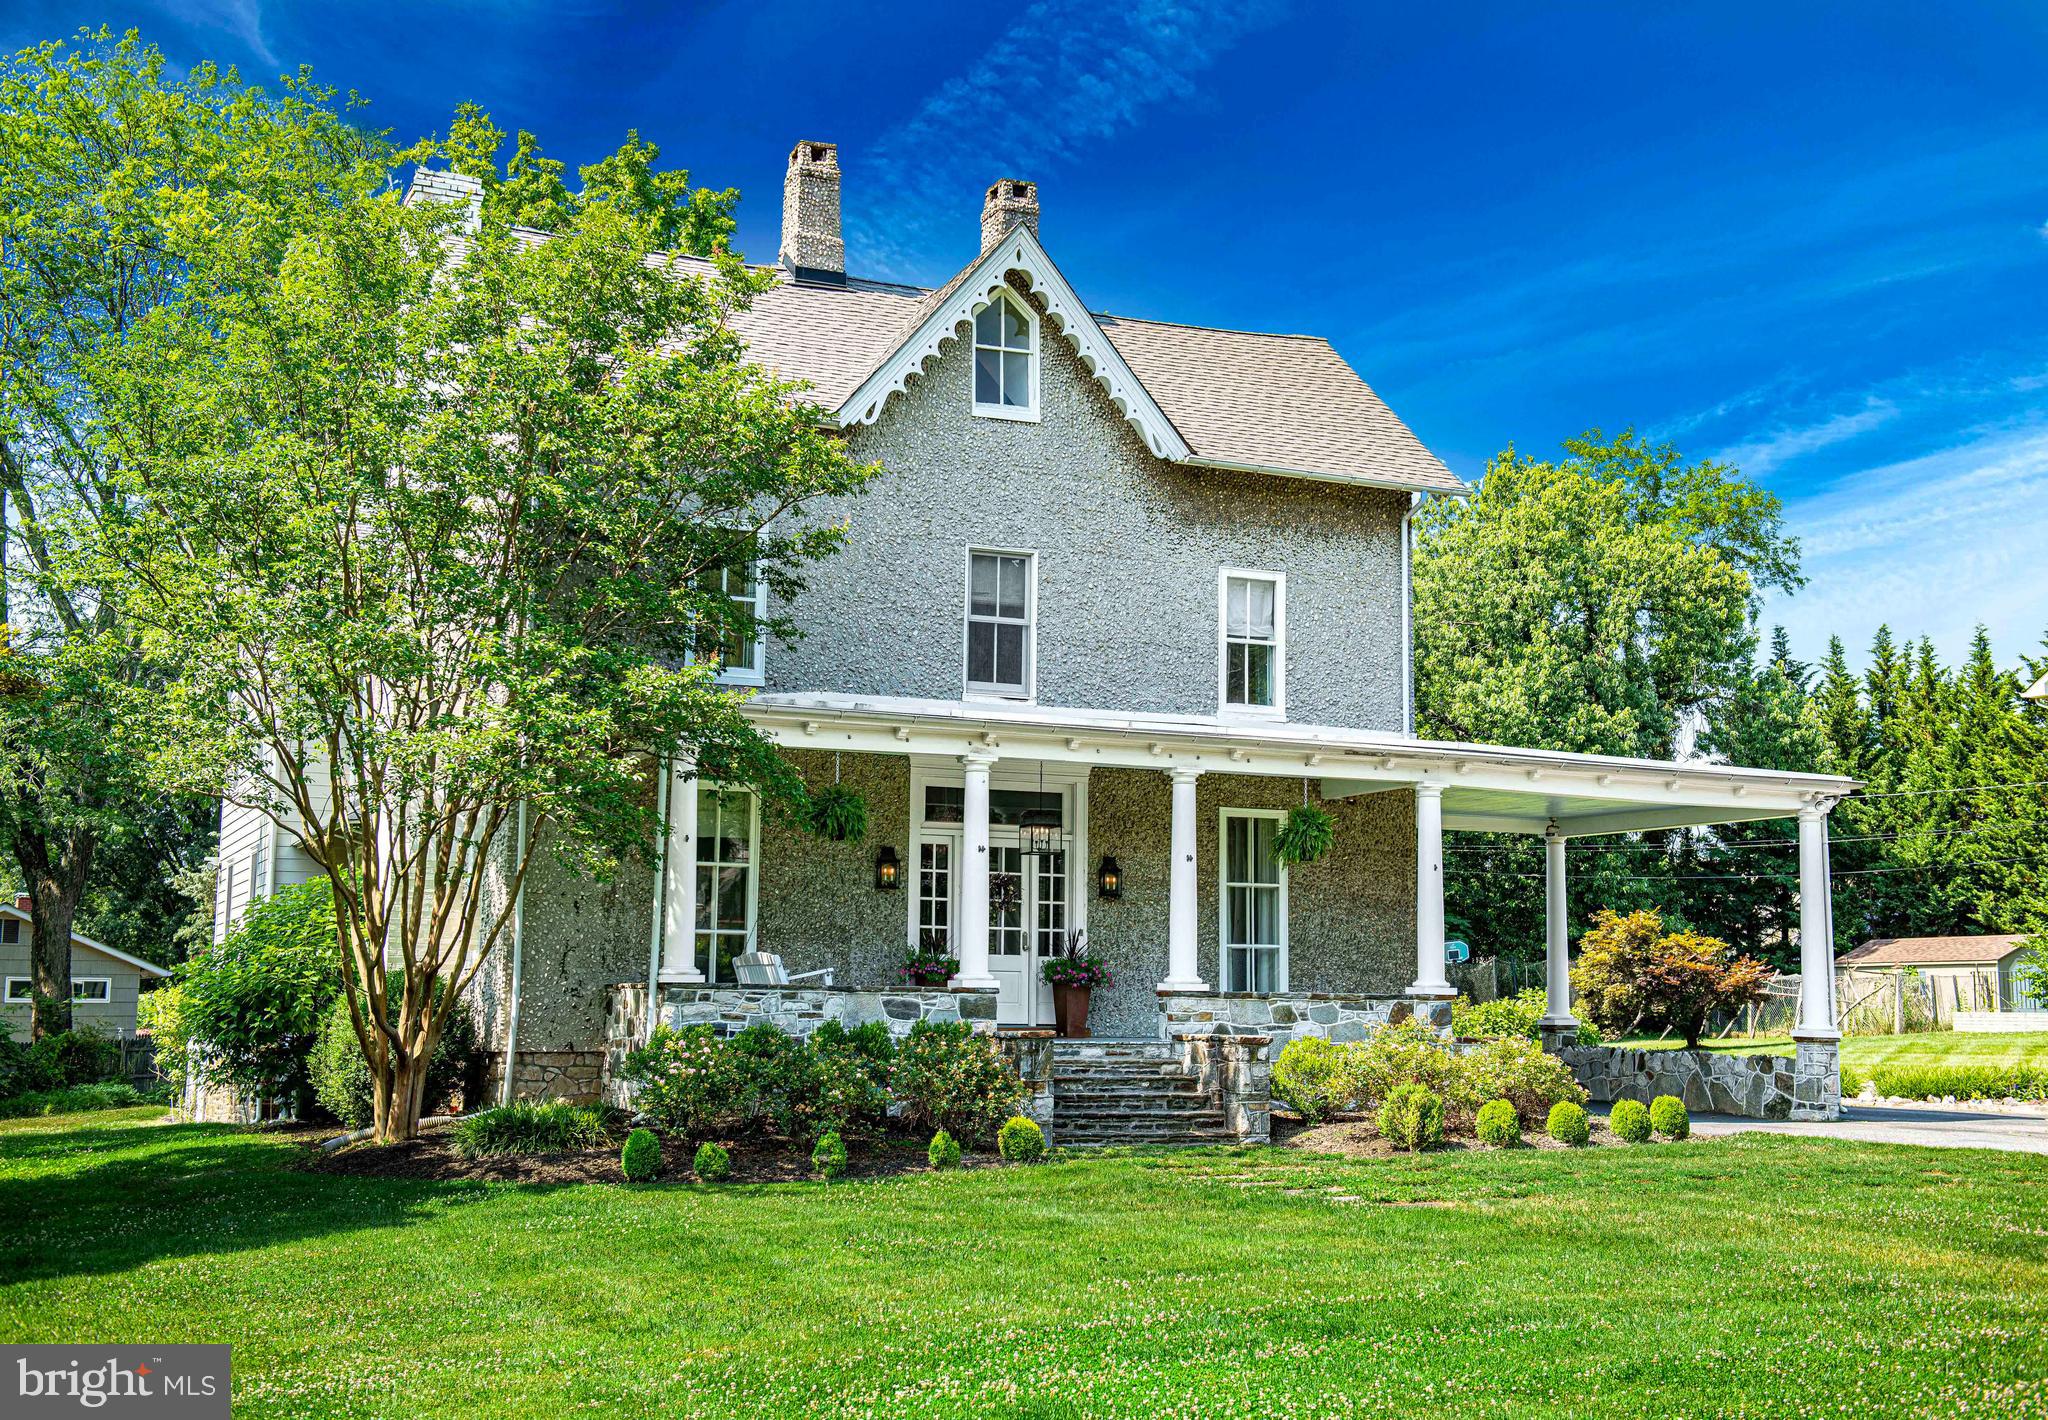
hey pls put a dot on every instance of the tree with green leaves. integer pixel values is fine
(430, 520)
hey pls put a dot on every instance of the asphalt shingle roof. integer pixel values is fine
(1932, 951)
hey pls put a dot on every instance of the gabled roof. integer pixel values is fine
(8, 910)
(1933, 951)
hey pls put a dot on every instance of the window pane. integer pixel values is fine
(1012, 585)
(1009, 654)
(1016, 330)
(1258, 678)
(732, 899)
(1234, 830)
(982, 585)
(1234, 663)
(988, 327)
(1236, 617)
(988, 377)
(1265, 867)
(1259, 600)
(981, 656)
(944, 803)
(1265, 914)
(1017, 381)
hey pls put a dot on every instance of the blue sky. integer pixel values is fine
(1812, 239)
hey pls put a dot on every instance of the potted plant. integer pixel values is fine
(1074, 972)
(931, 962)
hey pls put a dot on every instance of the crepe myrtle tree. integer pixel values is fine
(432, 518)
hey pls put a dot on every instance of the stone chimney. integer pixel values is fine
(1011, 202)
(456, 188)
(812, 248)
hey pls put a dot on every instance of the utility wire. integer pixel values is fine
(1737, 844)
(1764, 877)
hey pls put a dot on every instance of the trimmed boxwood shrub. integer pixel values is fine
(1312, 1078)
(944, 1152)
(1630, 1120)
(829, 1157)
(1020, 1140)
(1498, 1125)
(712, 1164)
(640, 1160)
(1412, 1118)
(523, 1127)
(1568, 1124)
(1668, 1117)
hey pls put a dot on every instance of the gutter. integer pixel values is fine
(660, 899)
(1408, 613)
(518, 961)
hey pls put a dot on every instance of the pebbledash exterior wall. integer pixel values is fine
(1128, 550)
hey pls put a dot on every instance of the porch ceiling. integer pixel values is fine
(1486, 787)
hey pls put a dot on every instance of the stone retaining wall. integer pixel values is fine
(574, 1075)
(1237, 1072)
(1030, 1053)
(1281, 1018)
(1806, 1086)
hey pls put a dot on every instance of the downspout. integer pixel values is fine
(1408, 614)
(518, 961)
(660, 898)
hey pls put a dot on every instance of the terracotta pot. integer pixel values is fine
(1070, 1009)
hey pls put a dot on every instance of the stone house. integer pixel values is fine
(1126, 592)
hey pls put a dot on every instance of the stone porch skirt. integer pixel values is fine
(1284, 1016)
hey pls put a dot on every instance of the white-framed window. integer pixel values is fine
(728, 877)
(10, 931)
(1252, 641)
(1002, 611)
(1006, 359)
(1253, 901)
(85, 990)
(741, 655)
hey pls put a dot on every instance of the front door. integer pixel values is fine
(1027, 911)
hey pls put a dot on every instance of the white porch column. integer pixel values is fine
(972, 941)
(1182, 974)
(679, 868)
(1816, 929)
(1430, 981)
(1557, 947)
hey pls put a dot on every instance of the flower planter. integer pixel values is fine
(1070, 1010)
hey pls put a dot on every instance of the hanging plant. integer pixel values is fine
(839, 813)
(1305, 836)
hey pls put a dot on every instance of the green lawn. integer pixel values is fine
(1757, 1275)
(1866, 1052)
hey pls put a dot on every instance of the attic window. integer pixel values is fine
(1005, 360)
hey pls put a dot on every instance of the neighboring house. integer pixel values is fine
(104, 982)
(2037, 691)
(1125, 593)
(1969, 983)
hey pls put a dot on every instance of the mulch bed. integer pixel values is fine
(1357, 1137)
(755, 1159)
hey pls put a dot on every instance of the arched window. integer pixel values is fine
(1005, 360)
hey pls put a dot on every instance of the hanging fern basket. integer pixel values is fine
(840, 814)
(1306, 835)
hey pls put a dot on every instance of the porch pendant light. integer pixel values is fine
(1039, 828)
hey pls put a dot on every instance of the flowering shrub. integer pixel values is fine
(1517, 1070)
(686, 1082)
(949, 1078)
(1405, 1053)
(1509, 1015)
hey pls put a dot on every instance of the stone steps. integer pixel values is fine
(1130, 1092)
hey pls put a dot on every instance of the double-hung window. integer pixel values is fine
(1254, 902)
(1005, 364)
(738, 646)
(1001, 607)
(1253, 632)
(728, 887)
(85, 990)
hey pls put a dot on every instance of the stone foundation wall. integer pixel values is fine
(574, 1075)
(1283, 1017)
(1807, 1086)
(1237, 1071)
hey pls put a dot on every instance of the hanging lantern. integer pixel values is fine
(1109, 879)
(888, 871)
(1039, 832)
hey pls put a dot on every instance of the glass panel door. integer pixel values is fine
(1254, 904)
(725, 878)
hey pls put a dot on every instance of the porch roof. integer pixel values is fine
(1494, 788)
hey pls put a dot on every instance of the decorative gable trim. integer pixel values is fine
(1019, 251)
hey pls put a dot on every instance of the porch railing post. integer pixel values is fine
(1430, 981)
(1816, 929)
(973, 938)
(679, 871)
(1181, 967)
(1557, 947)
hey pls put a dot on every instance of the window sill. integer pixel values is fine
(1252, 712)
(991, 696)
(747, 680)
(1006, 411)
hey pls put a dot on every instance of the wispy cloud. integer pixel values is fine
(1067, 75)
(241, 18)
(1758, 457)
(1934, 545)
